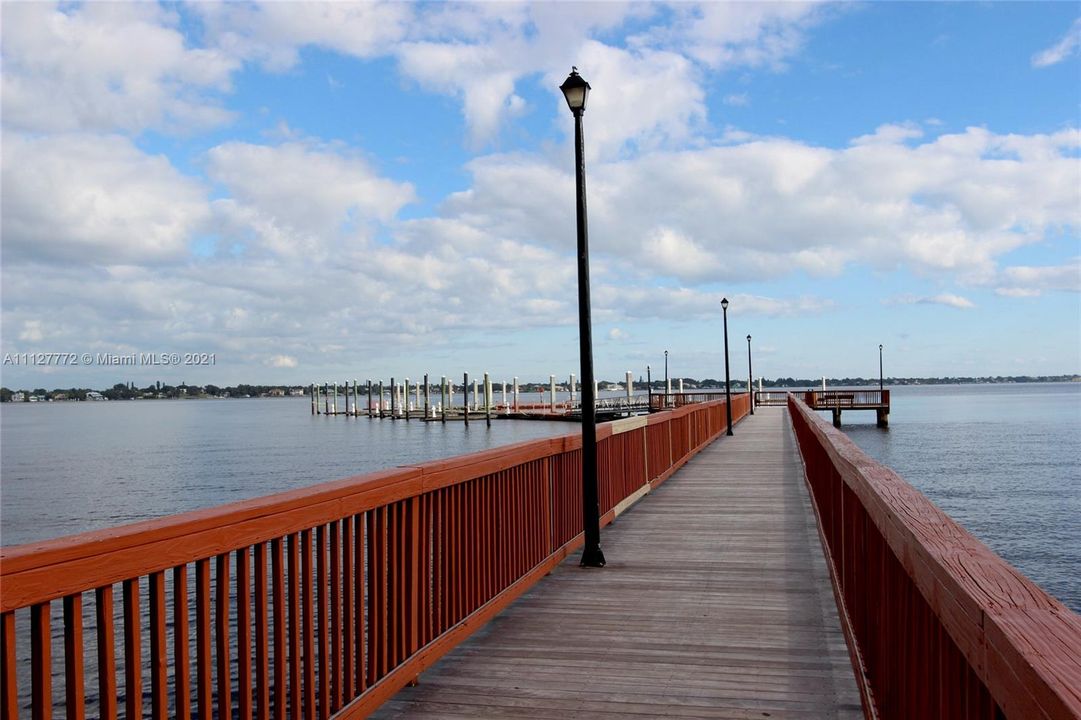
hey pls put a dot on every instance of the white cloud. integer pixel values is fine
(273, 33)
(282, 361)
(1069, 45)
(1032, 281)
(107, 67)
(618, 335)
(947, 299)
(95, 199)
(737, 100)
(890, 134)
(32, 331)
(300, 198)
(737, 34)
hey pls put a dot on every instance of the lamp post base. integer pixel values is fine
(592, 557)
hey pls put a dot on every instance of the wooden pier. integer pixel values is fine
(716, 604)
(735, 570)
(835, 401)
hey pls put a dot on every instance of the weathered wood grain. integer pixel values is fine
(715, 603)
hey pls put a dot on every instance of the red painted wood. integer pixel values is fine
(308, 622)
(181, 642)
(335, 701)
(203, 667)
(280, 658)
(74, 693)
(133, 656)
(106, 641)
(243, 633)
(322, 611)
(159, 650)
(360, 663)
(939, 624)
(262, 635)
(348, 681)
(41, 690)
(295, 693)
(9, 684)
(221, 637)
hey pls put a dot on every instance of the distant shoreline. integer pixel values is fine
(690, 385)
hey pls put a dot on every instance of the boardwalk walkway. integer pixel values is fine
(715, 603)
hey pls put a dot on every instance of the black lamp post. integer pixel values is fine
(727, 382)
(576, 90)
(750, 376)
(880, 385)
(667, 388)
(649, 389)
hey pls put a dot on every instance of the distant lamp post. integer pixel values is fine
(667, 387)
(727, 382)
(576, 91)
(649, 389)
(750, 376)
(880, 383)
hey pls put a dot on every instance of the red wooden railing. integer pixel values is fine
(662, 401)
(937, 624)
(315, 601)
(826, 399)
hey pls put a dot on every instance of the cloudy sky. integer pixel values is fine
(365, 190)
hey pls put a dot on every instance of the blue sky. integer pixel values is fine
(316, 192)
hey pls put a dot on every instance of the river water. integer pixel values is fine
(1003, 460)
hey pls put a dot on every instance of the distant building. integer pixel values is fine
(297, 392)
(94, 395)
(276, 392)
(18, 397)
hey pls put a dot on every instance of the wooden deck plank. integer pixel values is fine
(715, 603)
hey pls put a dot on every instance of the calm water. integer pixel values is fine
(1003, 460)
(70, 467)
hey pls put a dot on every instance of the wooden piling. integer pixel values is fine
(444, 398)
(380, 399)
(393, 399)
(315, 401)
(427, 392)
(326, 398)
(370, 410)
(487, 400)
(465, 398)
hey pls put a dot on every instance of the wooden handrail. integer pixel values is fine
(359, 584)
(938, 625)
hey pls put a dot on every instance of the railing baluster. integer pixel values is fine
(133, 656)
(181, 649)
(202, 639)
(74, 696)
(41, 662)
(308, 622)
(243, 632)
(294, 627)
(361, 662)
(321, 612)
(348, 628)
(335, 617)
(106, 641)
(277, 578)
(262, 622)
(9, 683)
(221, 637)
(159, 661)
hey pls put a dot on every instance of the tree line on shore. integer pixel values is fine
(161, 391)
